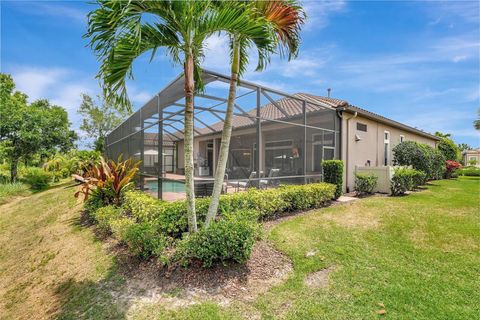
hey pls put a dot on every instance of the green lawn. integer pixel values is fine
(416, 257)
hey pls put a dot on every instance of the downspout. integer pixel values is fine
(347, 144)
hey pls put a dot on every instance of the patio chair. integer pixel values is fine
(271, 181)
(203, 189)
(248, 183)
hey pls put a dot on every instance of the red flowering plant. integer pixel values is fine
(451, 167)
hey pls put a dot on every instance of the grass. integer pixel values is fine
(10, 190)
(416, 257)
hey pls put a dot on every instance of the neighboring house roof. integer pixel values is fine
(473, 151)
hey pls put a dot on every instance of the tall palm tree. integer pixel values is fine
(285, 19)
(120, 31)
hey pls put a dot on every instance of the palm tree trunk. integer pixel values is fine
(188, 144)
(226, 135)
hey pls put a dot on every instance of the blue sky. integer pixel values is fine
(415, 62)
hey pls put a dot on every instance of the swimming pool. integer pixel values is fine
(167, 186)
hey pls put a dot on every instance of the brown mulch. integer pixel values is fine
(152, 283)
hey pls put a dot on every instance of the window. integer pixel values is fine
(402, 138)
(386, 149)
(361, 127)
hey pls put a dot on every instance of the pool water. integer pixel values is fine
(167, 186)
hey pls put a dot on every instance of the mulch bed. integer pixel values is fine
(150, 282)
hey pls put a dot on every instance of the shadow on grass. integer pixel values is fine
(90, 299)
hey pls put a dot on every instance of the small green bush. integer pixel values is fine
(469, 172)
(229, 239)
(144, 240)
(402, 181)
(333, 173)
(419, 178)
(365, 183)
(120, 226)
(104, 216)
(303, 197)
(38, 178)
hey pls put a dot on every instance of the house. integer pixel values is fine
(471, 157)
(294, 134)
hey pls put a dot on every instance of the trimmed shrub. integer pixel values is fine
(171, 217)
(229, 239)
(469, 172)
(144, 240)
(302, 197)
(38, 178)
(104, 216)
(333, 173)
(120, 226)
(419, 178)
(402, 181)
(365, 183)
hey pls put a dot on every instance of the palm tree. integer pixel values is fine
(119, 32)
(285, 19)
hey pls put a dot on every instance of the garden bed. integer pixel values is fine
(150, 282)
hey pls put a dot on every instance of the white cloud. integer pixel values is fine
(53, 8)
(444, 120)
(60, 86)
(35, 81)
(137, 96)
(466, 11)
(318, 12)
(217, 54)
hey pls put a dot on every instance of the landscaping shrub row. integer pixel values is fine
(406, 179)
(149, 226)
(469, 172)
(171, 217)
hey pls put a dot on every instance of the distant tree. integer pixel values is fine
(449, 149)
(30, 129)
(476, 123)
(442, 135)
(99, 118)
(464, 146)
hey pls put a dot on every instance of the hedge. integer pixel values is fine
(365, 183)
(469, 172)
(171, 217)
(333, 173)
(148, 226)
(406, 179)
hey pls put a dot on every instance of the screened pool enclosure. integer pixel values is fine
(277, 138)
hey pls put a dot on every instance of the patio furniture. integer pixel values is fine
(271, 181)
(248, 183)
(203, 189)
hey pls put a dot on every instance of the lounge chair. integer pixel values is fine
(248, 183)
(270, 181)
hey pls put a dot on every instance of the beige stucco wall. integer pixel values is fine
(472, 155)
(370, 147)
